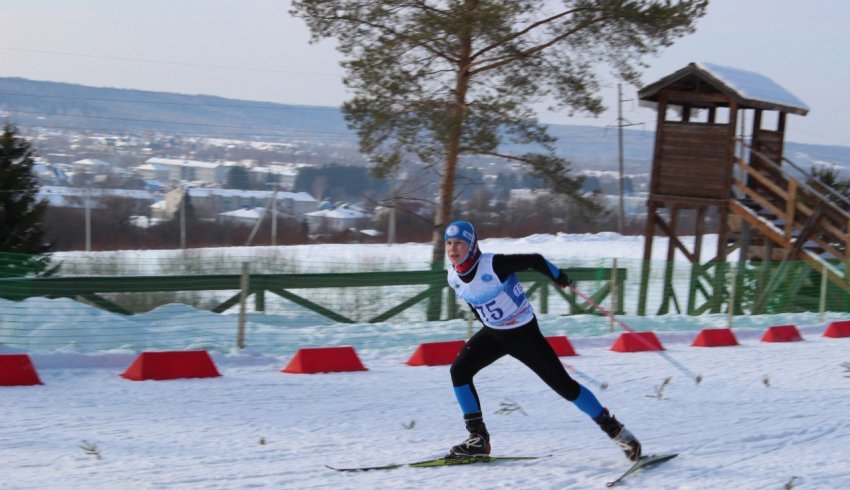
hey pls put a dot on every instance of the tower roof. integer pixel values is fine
(748, 89)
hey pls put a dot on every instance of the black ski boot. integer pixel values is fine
(478, 442)
(619, 434)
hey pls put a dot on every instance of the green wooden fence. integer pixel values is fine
(93, 289)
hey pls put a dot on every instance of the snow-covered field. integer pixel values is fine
(766, 415)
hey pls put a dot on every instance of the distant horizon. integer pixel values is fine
(330, 108)
(257, 51)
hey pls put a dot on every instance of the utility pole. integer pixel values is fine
(621, 211)
(391, 218)
(274, 216)
(391, 224)
(621, 123)
(88, 220)
(183, 218)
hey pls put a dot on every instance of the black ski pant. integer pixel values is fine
(526, 344)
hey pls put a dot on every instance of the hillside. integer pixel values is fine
(110, 109)
(69, 106)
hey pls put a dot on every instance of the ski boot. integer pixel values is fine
(478, 442)
(619, 434)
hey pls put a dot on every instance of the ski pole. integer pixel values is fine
(696, 377)
(586, 377)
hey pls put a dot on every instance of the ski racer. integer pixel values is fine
(488, 283)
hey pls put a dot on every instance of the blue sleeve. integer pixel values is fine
(552, 269)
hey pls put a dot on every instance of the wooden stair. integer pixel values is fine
(798, 220)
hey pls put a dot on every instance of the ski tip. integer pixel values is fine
(644, 462)
(656, 458)
(661, 456)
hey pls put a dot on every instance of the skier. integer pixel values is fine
(488, 284)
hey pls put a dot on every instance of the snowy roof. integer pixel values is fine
(152, 166)
(207, 191)
(749, 89)
(338, 213)
(49, 192)
(94, 162)
(183, 163)
(75, 197)
(528, 194)
(252, 213)
(278, 169)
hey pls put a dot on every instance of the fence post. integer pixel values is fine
(243, 299)
(544, 297)
(732, 290)
(614, 298)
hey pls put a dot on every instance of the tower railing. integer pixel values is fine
(808, 221)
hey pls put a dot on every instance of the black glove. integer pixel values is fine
(563, 280)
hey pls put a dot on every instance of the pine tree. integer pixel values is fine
(435, 81)
(23, 249)
(238, 178)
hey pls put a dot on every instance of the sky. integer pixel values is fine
(254, 50)
(764, 415)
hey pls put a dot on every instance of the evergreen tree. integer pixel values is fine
(436, 80)
(339, 182)
(824, 178)
(21, 232)
(238, 178)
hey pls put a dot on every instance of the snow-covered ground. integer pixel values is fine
(766, 415)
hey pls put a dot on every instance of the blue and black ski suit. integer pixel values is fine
(497, 298)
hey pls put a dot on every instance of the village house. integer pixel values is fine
(179, 170)
(95, 198)
(210, 202)
(283, 174)
(339, 219)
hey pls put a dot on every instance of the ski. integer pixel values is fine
(444, 461)
(644, 463)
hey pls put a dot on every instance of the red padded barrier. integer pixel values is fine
(715, 337)
(782, 333)
(17, 370)
(171, 365)
(324, 360)
(637, 342)
(436, 353)
(838, 329)
(562, 346)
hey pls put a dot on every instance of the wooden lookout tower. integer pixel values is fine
(744, 188)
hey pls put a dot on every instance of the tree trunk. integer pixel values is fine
(447, 186)
(455, 130)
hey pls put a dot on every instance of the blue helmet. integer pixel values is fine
(462, 230)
